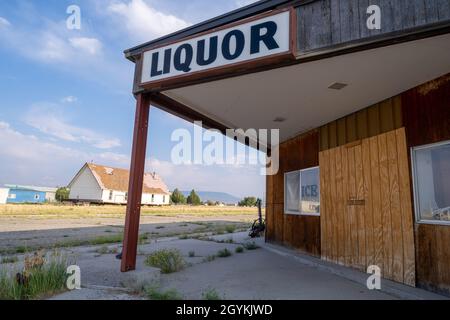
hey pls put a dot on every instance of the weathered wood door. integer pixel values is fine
(366, 214)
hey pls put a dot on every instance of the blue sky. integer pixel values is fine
(65, 95)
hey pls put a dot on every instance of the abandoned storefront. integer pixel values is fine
(361, 94)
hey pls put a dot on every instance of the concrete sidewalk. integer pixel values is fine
(270, 272)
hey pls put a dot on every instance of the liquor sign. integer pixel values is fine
(251, 41)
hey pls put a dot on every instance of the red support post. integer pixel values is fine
(131, 233)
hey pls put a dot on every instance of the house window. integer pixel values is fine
(12, 196)
(431, 183)
(110, 194)
(164, 199)
(126, 196)
(153, 198)
(36, 197)
(302, 192)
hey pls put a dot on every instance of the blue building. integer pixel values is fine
(24, 194)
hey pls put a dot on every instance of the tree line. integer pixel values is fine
(193, 198)
(177, 197)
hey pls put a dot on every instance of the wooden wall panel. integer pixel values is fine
(371, 121)
(426, 112)
(369, 223)
(433, 257)
(328, 23)
(426, 116)
(269, 208)
(300, 232)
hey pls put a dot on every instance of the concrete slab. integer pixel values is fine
(270, 272)
(260, 274)
(395, 289)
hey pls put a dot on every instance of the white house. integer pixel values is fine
(3, 195)
(101, 184)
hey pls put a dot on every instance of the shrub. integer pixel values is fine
(239, 249)
(250, 245)
(194, 199)
(62, 194)
(224, 253)
(248, 202)
(107, 239)
(106, 250)
(230, 228)
(155, 293)
(168, 260)
(211, 294)
(177, 197)
(39, 278)
(6, 260)
(21, 249)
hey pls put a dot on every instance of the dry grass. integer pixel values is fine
(49, 211)
(41, 277)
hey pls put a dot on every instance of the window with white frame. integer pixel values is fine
(302, 192)
(431, 182)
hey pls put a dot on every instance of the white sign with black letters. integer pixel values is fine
(252, 40)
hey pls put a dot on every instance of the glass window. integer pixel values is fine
(310, 192)
(36, 197)
(302, 192)
(431, 174)
(110, 194)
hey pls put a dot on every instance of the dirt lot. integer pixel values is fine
(27, 227)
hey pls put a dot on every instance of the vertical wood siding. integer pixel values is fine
(327, 23)
(300, 232)
(426, 114)
(374, 120)
(366, 214)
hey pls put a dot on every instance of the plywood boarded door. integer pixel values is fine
(366, 214)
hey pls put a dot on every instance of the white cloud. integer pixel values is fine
(27, 159)
(90, 45)
(48, 48)
(4, 22)
(49, 119)
(52, 44)
(69, 99)
(239, 181)
(144, 22)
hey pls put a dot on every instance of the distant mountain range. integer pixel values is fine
(215, 196)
